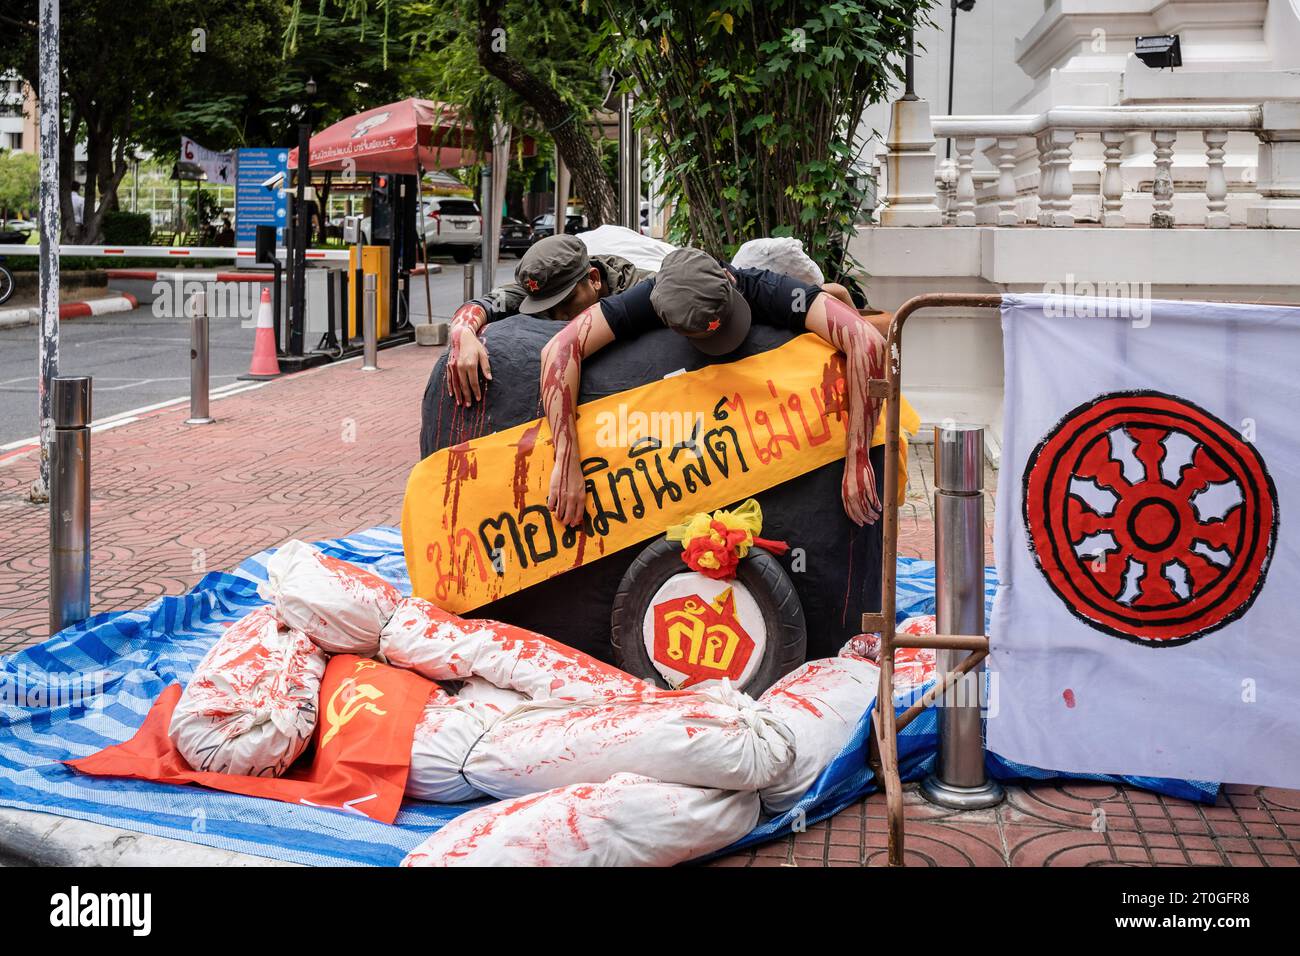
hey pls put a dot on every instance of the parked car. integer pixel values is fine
(18, 225)
(450, 225)
(453, 224)
(544, 225)
(516, 236)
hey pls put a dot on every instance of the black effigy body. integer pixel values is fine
(835, 565)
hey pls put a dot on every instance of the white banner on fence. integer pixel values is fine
(1146, 621)
(220, 167)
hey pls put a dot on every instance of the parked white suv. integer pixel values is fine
(451, 225)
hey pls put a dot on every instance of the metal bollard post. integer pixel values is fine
(370, 363)
(467, 292)
(199, 361)
(70, 503)
(959, 781)
(487, 247)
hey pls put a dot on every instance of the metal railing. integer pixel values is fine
(885, 722)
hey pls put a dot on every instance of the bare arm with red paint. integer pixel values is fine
(561, 376)
(864, 359)
(468, 355)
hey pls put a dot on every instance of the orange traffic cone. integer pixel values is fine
(264, 365)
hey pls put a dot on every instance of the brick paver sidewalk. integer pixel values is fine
(316, 455)
(327, 452)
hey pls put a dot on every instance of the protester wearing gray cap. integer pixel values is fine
(555, 279)
(714, 306)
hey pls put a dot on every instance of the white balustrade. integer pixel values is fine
(1162, 185)
(1216, 184)
(1056, 133)
(1112, 183)
(1060, 142)
(1045, 183)
(965, 205)
(1007, 181)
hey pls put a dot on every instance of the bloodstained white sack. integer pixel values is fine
(482, 690)
(822, 702)
(439, 645)
(913, 666)
(628, 820)
(713, 737)
(447, 730)
(338, 605)
(252, 705)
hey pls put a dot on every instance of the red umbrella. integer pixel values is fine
(398, 138)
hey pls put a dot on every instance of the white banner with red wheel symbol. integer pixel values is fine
(1148, 616)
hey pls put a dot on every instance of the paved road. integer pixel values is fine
(139, 359)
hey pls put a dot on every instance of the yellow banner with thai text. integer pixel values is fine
(475, 526)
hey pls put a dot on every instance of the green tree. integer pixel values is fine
(533, 63)
(754, 110)
(259, 100)
(218, 71)
(20, 180)
(120, 72)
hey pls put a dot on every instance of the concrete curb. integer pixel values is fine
(16, 318)
(42, 839)
(122, 302)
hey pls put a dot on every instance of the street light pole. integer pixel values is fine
(51, 225)
(952, 58)
(298, 317)
(629, 165)
(909, 66)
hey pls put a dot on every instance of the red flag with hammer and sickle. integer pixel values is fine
(358, 763)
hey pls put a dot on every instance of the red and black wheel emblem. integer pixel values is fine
(1151, 519)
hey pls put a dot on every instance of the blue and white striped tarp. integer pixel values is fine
(127, 658)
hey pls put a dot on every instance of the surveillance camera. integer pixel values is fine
(273, 183)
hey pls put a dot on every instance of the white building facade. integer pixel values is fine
(1076, 166)
(17, 115)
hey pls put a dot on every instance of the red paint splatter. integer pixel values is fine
(461, 467)
(523, 450)
(833, 388)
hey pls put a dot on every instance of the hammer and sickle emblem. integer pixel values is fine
(354, 698)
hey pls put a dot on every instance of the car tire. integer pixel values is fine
(763, 577)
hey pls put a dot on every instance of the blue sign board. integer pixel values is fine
(255, 205)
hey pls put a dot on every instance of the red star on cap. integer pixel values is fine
(715, 325)
(532, 284)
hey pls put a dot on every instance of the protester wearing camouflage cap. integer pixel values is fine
(555, 279)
